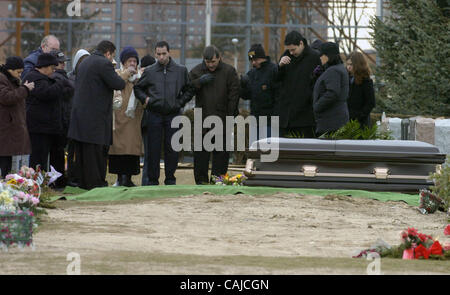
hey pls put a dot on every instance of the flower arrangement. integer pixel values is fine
(226, 179)
(20, 195)
(429, 202)
(415, 245)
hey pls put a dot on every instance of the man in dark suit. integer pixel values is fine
(91, 117)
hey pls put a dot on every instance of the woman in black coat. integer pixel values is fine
(361, 98)
(44, 112)
(330, 91)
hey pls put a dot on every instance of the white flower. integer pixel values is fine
(53, 174)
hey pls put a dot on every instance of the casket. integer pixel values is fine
(378, 165)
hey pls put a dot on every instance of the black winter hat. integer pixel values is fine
(14, 63)
(147, 60)
(60, 56)
(256, 51)
(329, 49)
(316, 44)
(127, 53)
(45, 60)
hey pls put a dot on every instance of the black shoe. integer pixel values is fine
(127, 181)
(120, 180)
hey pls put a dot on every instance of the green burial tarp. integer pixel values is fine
(107, 194)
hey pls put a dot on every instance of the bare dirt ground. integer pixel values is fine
(233, 234)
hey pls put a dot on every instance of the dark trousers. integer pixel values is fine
(43, 145)
(219, 165)
(5, 165)
(87, 164)
(159, 130)
(145, 180)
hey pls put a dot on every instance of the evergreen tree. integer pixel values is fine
(413, 43)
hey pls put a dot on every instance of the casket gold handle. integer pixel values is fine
(381, 173)
(248, 171)
(309, 171)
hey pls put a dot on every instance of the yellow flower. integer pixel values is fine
(12, 181)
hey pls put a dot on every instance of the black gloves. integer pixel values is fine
(206, 78)
(244, 81)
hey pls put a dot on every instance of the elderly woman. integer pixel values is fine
(331, 91)
(124, 154)
(14, 136)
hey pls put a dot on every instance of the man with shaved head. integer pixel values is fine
(48, 44)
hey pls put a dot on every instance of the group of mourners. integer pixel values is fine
(106, 116)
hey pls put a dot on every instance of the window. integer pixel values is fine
(131, 11)
(107, 10)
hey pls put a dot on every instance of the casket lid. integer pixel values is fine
(351, 147)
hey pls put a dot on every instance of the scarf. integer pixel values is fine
(132, 102)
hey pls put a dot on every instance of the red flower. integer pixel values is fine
(404, 235)
(423, 237)
(421, 251)
(436, 249)
(447, 230)
(412, 231)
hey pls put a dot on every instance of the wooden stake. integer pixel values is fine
(266, 29)
(47, 16)
(18, 29)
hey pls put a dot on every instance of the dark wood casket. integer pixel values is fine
(378, 165)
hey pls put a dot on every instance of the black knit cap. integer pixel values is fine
(45, 60)
(128, 52)
(14, 63)
(329, 49)
(256, 51)
(147, 60)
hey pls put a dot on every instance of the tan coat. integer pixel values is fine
(127, 137)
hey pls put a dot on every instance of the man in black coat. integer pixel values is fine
(295, 72)
(44, 113)
(259, 85)
(217, 94)
(146, 61)
(163, 90)
(66, 101)
(91, 117)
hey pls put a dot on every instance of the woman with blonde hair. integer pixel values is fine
(361, 98)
